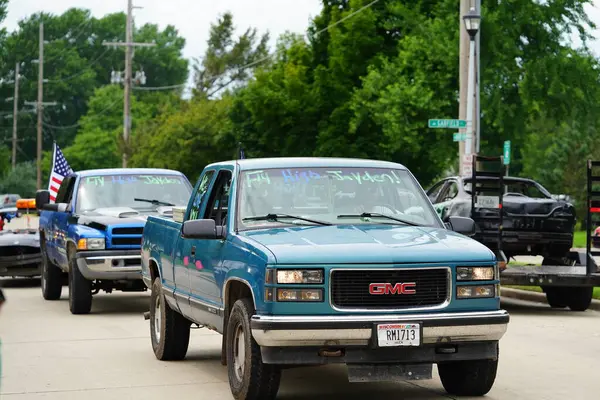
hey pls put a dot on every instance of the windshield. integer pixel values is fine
(140, 192)
(511, 188)
(332, 196)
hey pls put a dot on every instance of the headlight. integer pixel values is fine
(475, 273)
(91, 244)
(300, 276)
(475, 292)
(299, 295)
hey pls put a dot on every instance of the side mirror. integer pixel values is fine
(42, 197)
(202, 229)
(58, 207)
(463, 225)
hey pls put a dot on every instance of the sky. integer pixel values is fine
(193, 17)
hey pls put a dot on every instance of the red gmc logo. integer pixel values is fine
(388, 288)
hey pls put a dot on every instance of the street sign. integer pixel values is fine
(459, 137)
(506, 152)
(467, 165)
(447, 123)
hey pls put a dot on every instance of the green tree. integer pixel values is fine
(223, 63)
(21, 180)
(76, 63)
(99, 143)
(187, 140)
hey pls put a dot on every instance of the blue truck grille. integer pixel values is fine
(125, 237)
(350, 288)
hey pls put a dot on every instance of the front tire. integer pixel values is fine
(80, 290)
(51, 279)
(169, 330)
(249, 377)
(468, 378)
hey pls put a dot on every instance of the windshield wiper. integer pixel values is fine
(276, 217)
(155, 202)
(377, 215)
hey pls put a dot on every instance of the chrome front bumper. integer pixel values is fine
(110, 265)
(295, 331)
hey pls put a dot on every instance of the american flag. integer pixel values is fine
(60, 169)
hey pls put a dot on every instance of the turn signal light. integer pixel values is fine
(300, 295)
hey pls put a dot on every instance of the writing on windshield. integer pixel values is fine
(137, 191)
(323, 194)
(133, 179)
(294, 176)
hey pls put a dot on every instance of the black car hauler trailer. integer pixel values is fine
(568, 281)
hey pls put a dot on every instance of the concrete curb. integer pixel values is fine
(535, 297)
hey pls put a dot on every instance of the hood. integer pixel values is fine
(101, 218)
(21, 237)
(368, 244)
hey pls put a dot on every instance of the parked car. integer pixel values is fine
(534, 222)
(93, 232)
(19, 248)
(314, 261)
(8, 200)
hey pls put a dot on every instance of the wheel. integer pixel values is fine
(249, 378)
(169, 330)
(556, 296)
(579, 298)
(80, 290)
(51, 279)
(468, 378)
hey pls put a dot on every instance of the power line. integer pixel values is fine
(267, 57)
(79, 73)
(79, 123)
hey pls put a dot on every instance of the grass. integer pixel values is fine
(538, 289)
(579, 239)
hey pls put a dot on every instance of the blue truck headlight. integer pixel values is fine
(475, 273)
(475, 292)
(300, 276)
(91, 244)
(299, 295)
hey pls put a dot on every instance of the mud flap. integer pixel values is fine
(388, 372)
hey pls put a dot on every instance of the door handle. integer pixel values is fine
(193, 251)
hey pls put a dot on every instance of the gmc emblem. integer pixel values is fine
(388, 288)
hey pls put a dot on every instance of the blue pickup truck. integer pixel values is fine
(308, 261)
(92, 232)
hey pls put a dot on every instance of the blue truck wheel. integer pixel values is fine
(169, 330)
(249, 377)
(80, 290)
(51, 279)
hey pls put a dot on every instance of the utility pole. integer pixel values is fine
(40, 108)
(465, 5)
(15, 112)
(129, 45)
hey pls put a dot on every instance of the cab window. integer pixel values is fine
(200, 194)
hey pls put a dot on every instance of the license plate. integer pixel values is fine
(394, 335)
(488, 202)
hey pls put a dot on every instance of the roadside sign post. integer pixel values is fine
(460, 136)
(506, 154)
(447, 123)
(467, 165)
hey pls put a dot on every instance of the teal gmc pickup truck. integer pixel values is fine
(310, 261)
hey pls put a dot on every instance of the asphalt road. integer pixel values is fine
(50, 354)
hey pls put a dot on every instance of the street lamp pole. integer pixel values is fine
(472, 22)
